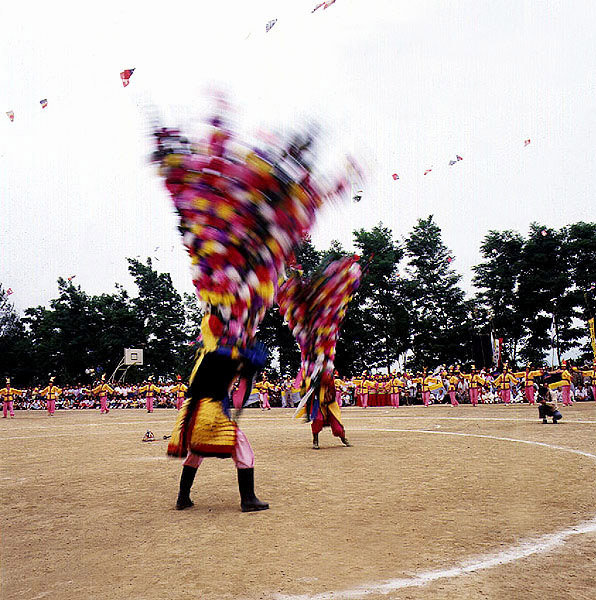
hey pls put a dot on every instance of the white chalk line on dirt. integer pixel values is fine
(105, 424)
(524, 549)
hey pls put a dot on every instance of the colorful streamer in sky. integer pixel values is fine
(44, 103)
(270, 24)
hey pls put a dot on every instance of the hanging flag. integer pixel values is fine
(9, 292)
(427, 171)
(10, 115)
(592, 336)
(125, 76)
(270, 24)
(526, 143)
(395, 176)
(44, 102)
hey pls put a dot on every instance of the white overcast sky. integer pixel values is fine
(406, 85)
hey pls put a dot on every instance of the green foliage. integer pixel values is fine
(441, 326)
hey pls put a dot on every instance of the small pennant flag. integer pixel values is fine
(10, 115)
(395, 176)
(452, 162)
(270, 24)
(44, 103)
(427, 171)
(458, 157)
(9, 291)
(526, 143)
(126, 75)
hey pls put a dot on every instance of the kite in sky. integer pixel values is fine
(10, 115)
(457, 159)
(270, 24)
(428, 171)
(526, 143)
(323, 4)
(44, 102)
(9, 291)
(126, 75)
(357, 196)
(395, 176)
(71, 277)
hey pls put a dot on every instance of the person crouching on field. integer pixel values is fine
(548, 409)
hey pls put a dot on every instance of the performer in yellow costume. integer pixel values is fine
(7, 394)
(102, 390)
(180, 390)
(51, 393)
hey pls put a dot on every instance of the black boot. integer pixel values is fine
(246, 484)
(315, 441)
(186, 479)
(345, 442)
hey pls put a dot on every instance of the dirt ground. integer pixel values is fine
(88, 509)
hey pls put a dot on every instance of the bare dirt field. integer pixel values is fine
(431, 502)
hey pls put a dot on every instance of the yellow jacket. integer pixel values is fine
(504, 381)
(180, 390)
(529, 379)
(475, 380)
(103, 389)
(9, 393)
(149, 390)
(51, 392)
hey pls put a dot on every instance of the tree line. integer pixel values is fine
(536, 292)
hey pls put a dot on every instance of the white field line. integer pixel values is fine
(523, 549)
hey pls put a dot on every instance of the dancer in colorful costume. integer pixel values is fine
(475, 382)
(527, 378)
(102, 390)
(149, 389)
(180, 390)
(504, 382)
(242, 212)
(314, 310)
(7, 394)
(51, 394)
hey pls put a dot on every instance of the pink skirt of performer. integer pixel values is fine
(506, 396)
(395, 400)
(530, 394)
(474, 396)
(149, 404)
(426, 398)
(454, 401)
(566, 395)
(6, 408)
(243, 456)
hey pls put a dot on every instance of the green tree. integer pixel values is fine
(441, 325)
(15, 347)
(497, 278)
(161, 310)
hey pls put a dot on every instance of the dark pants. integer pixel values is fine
(544, 412)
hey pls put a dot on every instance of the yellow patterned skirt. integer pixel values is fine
(203, 428)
